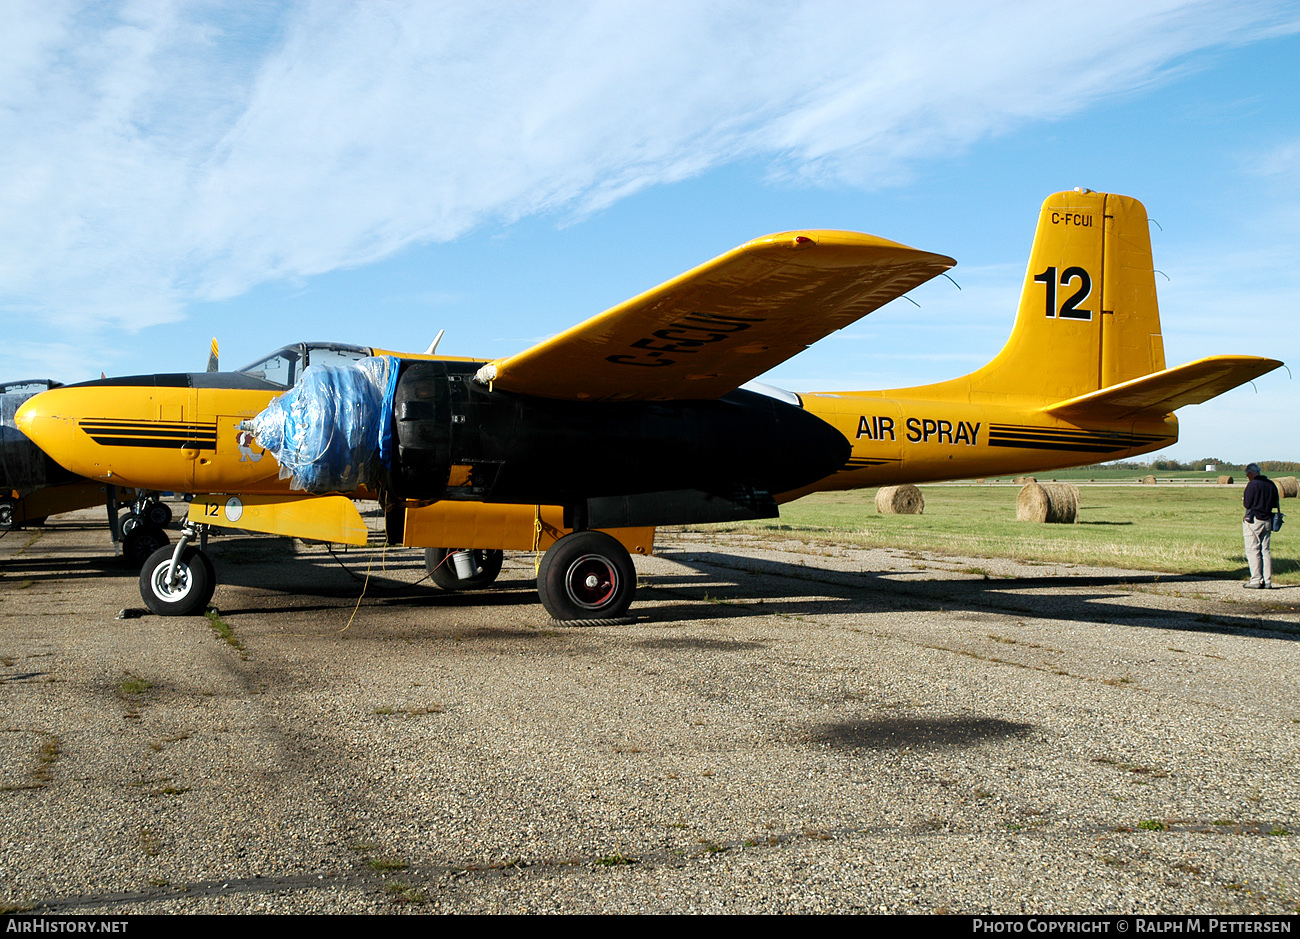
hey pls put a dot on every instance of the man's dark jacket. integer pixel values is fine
(1260, 499)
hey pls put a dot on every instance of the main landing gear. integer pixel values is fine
(141, 529)
(585, 575)
(178, 581)
(453, 569)
(141, 542)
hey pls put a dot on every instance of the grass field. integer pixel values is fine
(1186, 528)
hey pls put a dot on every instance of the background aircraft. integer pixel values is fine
(635, 418)
(32, 486)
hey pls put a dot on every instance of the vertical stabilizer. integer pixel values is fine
(1088, 317)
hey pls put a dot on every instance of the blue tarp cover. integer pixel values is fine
(327, 431)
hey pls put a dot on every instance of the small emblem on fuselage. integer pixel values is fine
(245, 441)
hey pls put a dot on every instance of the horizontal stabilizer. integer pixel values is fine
(1162, 392)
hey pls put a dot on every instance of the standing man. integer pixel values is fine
(1260, 500)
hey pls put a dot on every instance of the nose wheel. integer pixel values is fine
(180, 580)
(586, 575)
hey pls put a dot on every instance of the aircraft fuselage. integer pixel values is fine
(457, 440)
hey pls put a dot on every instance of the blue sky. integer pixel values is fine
(372, 173)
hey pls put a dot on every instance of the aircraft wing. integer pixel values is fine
(1162, 392)
(708, 331)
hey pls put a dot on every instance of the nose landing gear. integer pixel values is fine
(178, 581)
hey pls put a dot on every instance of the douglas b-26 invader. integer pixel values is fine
(635, 418)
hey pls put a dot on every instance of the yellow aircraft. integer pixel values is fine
(582, 444)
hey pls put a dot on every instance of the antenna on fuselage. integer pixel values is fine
(434, 345)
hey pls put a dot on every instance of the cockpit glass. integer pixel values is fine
(27, 387)
(334, 355)
(280, 367)
(284, 366)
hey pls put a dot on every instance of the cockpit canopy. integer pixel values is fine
(29, 387)
(283, 366)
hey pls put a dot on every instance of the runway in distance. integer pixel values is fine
(581, 445)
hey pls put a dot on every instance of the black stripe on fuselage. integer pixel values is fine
(194, 430)
(209, 443)
(1059, 438)
(858, 462)
(176, 434)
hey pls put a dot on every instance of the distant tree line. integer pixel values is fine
(1166, 466)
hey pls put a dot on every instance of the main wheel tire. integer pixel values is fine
(442, 569)
(140, 543)
(158, 514)
(6, 513)
(189, 595)
(586, 575)
(129, 523)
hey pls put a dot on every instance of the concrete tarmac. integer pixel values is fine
(782, 727)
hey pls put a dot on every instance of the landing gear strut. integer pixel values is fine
(474, 569)
(178, 581)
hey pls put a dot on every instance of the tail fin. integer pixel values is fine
(1088, 317)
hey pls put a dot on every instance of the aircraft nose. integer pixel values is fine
(48, 419)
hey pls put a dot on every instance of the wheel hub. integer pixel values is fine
(177, 588)
(592, 582)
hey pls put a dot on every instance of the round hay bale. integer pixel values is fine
(1148, 480)
(1225, 480)
(1022, 480)
(1287, 487)
(1048, 502)
(900, 500)
(980, 479)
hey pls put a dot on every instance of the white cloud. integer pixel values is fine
(156, 154)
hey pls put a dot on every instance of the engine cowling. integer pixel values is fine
(619, 463)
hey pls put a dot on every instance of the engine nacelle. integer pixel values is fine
(613, 464)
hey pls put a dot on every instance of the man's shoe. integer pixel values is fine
(1249, 586)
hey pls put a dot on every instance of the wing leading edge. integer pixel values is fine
(708, 331)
